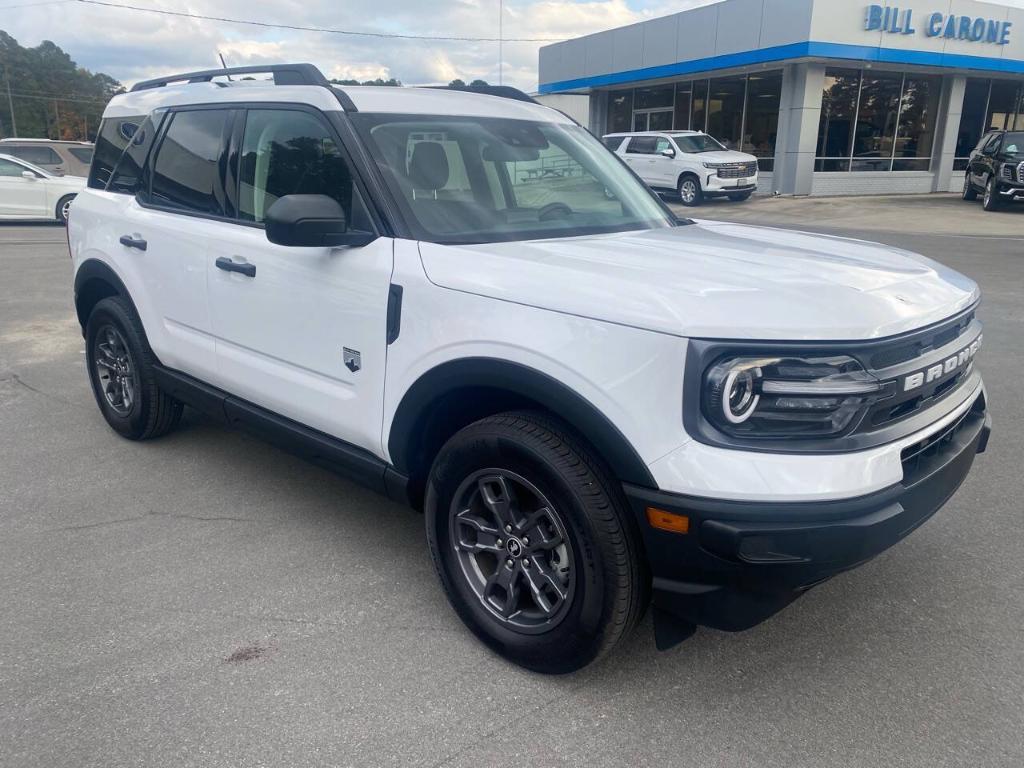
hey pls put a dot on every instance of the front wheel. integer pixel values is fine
(533, 542)
(690, 192)
(990, 200)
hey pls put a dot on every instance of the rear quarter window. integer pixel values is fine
(612, 142)
(114, 135)
(81, 154)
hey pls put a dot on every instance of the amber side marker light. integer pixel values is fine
(667, 521)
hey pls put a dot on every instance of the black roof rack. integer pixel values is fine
(284, 74)
(502, 91)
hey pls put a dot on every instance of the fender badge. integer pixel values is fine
(353, 360)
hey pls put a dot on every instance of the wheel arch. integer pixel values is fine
(95, 281)
(456, 393)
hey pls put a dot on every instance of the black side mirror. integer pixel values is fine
(311, 221)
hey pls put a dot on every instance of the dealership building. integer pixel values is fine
(832, 96)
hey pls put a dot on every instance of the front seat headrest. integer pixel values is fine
(428, 168)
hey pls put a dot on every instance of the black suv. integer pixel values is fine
(996, 169)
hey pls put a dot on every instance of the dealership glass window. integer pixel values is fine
(725, 110)
(915, 131)
(742, 111)
(972, 120)
(877, 113)
(699, 113)
(620, 111)
(838, 112)
(653, 97)
(761, 124)
(684, 95)
(876, 121)
(1002, 105)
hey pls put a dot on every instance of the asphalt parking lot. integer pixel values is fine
(207, 600)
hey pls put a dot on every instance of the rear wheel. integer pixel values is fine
(533, 543)
(969, 192)
(120, 366)
(990, 201)
(64, 208)
(690, 192)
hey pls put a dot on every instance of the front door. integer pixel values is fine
(300, 331)
(21, 197)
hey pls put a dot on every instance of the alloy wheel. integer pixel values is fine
(513, 549)
(65, 210)
(688, 190)
(115, 370)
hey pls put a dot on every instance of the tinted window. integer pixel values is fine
(1013, 143)
(110, 144)
(612, 142)
(286, 152)
(7, 168)
(81, 154)
(186, 173)
(642, 145)
(34, 155)
(127, 177)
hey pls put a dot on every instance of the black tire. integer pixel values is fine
(740, 197)
(149, 412)
(63, 206)
(990, 200)
(689, 190)
(606, 584)
(969, 192)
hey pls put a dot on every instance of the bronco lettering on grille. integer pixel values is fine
(947, 366)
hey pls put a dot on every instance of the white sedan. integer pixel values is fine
(29, 192)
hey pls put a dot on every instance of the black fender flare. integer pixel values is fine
(526, 382)
(96, 270)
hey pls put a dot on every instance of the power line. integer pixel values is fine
(298, 28)
(21, 95)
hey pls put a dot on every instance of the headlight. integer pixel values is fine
(769, 397)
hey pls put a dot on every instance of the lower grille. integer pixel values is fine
(918, 457)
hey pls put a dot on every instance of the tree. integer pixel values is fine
(392, 82)
(52, 96)
(457, 83)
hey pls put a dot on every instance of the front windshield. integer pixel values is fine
(483, 179)
(695, 144)
(1013, 143)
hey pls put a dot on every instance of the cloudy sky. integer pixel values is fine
(132, 45)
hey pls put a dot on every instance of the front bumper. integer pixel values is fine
(714, 185)
(1010, 190)
(743, 561)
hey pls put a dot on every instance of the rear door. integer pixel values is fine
(302, 331)
(168, 228)
(640, 157)
(21, 197)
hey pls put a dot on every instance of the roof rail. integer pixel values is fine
(502, 91)
(284, 74)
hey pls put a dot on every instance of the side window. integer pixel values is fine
(127, 175)
(288, 151)
(612, 142)
(186, 172)
(114, 135)
(35, 155)
(81, 154)
(661, 146)
(7, 168)
(641, 145)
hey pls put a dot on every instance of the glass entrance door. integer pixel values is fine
(652, 120)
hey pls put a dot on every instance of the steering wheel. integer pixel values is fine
(553, 211)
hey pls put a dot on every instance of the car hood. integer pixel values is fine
(714, 280)
(725, 156)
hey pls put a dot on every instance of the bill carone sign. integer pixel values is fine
(950, 26)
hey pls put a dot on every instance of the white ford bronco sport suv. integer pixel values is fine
(466, 302)
(689, 163)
